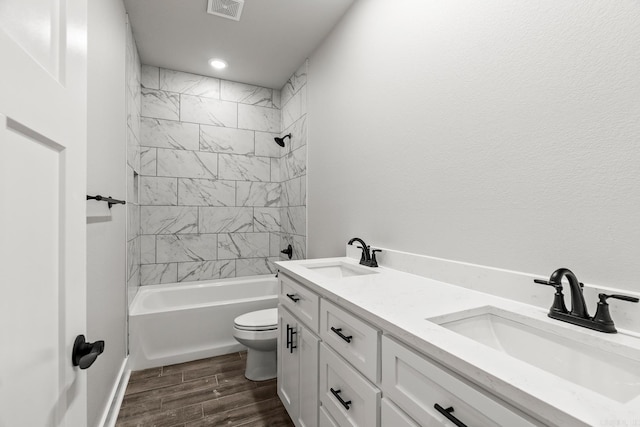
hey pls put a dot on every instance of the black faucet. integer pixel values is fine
(366, 258)
(579, 316)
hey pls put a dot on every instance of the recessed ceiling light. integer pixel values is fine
(218, 64)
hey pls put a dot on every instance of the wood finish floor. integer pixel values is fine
(207, 392)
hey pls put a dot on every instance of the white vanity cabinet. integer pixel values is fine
(298, 352)
(337, 370)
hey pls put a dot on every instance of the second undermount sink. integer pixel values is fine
(338, 270)
(583, 359)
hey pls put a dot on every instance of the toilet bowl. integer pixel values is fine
(258, 331)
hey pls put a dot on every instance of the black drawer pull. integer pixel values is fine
(447, 413)
(293, 297)
(336, 393)
(341, 335)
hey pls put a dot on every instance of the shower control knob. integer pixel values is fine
(85, 353)
(288, 252)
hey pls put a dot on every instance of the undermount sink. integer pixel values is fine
(577, 357)
(338, 270)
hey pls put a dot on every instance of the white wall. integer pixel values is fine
(106, 264)
(500, 133)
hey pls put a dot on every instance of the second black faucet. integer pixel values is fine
(367, 258)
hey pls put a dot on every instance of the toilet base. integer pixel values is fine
(261, 365)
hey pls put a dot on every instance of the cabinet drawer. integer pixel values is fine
(416, 385)
(392, 416)
(325, 419)
(302, 302)
(341, 387)
(352, 338)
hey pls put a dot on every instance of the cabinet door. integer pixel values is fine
(288, 362)
(308, 347)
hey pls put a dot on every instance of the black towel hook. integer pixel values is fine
(110, 201)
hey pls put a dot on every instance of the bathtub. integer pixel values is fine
(177, 322)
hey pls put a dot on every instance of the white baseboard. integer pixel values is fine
(110, 415)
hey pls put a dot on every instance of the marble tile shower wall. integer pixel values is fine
(210, 190)
(293, 172)
(132, 73)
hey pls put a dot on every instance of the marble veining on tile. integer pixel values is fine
(160, 105)
(293, 220)
(206, 192)
(152, 274)
(133, 254)
(225, 219)
(168, 219)
(148, 161)
(247, 94)
(158, 191)
(258, 118)
(266, 194)
(276, 172)
(244, 168)
(243, 245)
(187, 164)
(169, 134)
(226, 140)
(186, 247)
(275, 244)
(266, 146)
(256, 266)
(208, 111)
(295, 82)
(294, 164)
(190, 84)
(266, 219)
(148, 249)
(291, 194)
(206, 270)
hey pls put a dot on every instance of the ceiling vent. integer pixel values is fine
(230, 9)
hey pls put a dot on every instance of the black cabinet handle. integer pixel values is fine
(447, 413)
(338, 332)
(336, 393)
(293, 297)
(85, 353)
(290, 333)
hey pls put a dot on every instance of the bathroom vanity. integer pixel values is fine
(369, 347)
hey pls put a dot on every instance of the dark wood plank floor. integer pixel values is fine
(207, 392)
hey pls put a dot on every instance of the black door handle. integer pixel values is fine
(338, 332)
(447, 413)
(85, 353)
(336, 393)
(293, 297)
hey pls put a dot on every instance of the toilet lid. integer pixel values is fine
(260, 320)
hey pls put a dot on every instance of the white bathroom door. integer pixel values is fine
(42, 211)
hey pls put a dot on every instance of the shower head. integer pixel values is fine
(280, 141)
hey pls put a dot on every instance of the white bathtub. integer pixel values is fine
(179, 322)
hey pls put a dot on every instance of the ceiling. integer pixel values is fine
(268, 44)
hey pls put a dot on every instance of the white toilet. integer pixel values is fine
(258, 331)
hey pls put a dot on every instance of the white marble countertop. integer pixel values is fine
(399, 303)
